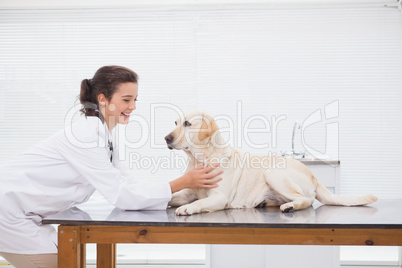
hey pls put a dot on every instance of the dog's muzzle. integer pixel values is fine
(169, 139)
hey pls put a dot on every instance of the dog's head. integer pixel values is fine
(193, 131)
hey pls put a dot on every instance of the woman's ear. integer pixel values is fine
(101, 100)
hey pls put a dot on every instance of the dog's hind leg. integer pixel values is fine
(294, 197)
(299, 202)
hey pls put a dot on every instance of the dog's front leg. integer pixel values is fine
(183, 197)
(213, 202)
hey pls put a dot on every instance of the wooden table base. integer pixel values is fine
(72, 239)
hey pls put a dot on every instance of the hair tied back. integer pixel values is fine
(89, 83)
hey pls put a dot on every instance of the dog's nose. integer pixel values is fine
(169, 139)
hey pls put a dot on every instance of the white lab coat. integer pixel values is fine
(60, 172)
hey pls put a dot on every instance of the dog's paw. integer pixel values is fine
(287, 208)
(186, 210)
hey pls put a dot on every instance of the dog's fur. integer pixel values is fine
(248, 180)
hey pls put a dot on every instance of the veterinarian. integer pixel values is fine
(65, 169)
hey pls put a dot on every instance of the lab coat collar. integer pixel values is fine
(103, 130)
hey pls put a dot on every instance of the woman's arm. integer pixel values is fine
(199, 177)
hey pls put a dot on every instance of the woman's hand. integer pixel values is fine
(202, 177)
(199, 177)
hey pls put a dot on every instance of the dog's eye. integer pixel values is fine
(175, 123)
(186, 124)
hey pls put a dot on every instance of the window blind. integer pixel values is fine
(248, 66)
(298, 61)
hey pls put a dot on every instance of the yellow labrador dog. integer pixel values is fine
(248, 180)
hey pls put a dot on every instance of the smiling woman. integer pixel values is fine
(75, 162)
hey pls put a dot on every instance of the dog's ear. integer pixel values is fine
(208, 128)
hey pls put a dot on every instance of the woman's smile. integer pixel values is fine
(126, 115)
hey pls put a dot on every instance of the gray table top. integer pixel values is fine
(384, 214)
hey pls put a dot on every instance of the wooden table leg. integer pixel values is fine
(83, 253)
(106, 256)
(69, 247)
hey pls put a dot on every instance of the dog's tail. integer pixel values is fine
(326, 197)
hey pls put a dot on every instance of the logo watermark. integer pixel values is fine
(235, 130)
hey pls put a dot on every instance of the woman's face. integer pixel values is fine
(121, 105)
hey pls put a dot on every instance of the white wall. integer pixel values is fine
(21, 4)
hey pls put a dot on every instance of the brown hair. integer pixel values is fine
(105, 81)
